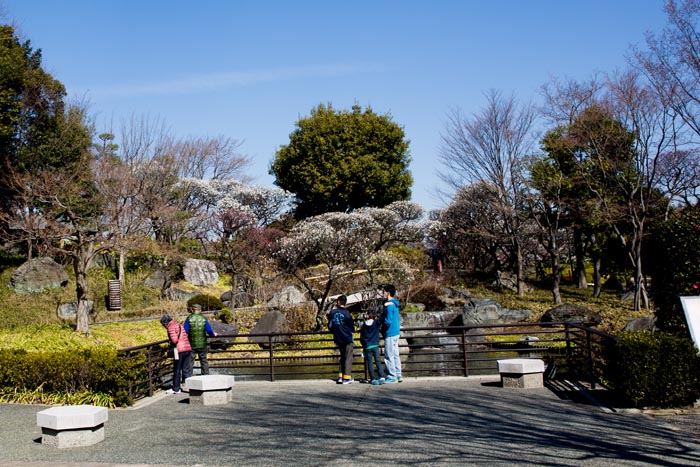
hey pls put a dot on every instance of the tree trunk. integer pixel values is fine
(520, 269)
(597, 278)
(640, 294)
(81, 260)
(580, 251)
(556, 266)
(120, 273)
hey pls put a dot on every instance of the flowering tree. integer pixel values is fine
(235, 219)
(321, 249)
(337, 243)
(396, 223)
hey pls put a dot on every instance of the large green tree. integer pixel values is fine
(31, 106)
(344, 160)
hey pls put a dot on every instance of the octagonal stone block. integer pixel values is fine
(72, 425)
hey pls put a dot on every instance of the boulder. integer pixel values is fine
(489, 311)
(290, 295)
(507, 280)
(425, 319)
(240, 300)
(571, 312)
(37, 275)
(222, 343)
(156, 280)
(438, 341)
(273, 321)
(180, 295)
(200, 272)
(646, 323)
(70, 310)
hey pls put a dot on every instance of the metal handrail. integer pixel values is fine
(426, 351)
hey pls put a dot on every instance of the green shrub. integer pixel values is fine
(673, 253)
(67, 373)
(657, 369)
(208, 302)
(225, 316)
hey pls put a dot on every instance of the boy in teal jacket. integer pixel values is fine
(392, 330)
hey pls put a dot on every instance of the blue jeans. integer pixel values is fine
(372, 358)
(392, 359)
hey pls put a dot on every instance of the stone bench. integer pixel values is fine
(523, 373)
(210, 389)
(72, 426)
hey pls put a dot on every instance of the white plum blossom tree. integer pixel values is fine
(337, 243)
(397, 223)
(321, 249)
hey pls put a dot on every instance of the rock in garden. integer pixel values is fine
(645, 323)
(290, 295)
(273, 321)
(222, 329)
(489, 311)
(70, 309)
(179, 295)
(200, 272)
(572, 312)
(37, 275)
(156, 280)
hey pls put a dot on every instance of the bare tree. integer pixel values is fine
(470, 229)
(656, 130)
(490, 147)
(671, 61)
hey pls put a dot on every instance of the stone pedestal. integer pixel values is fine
(521, 373)
(72, 426)
(210, 389)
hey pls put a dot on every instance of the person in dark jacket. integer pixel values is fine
(341, 324)
(369, 338)
(198, 328)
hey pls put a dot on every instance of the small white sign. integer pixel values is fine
(691, 308)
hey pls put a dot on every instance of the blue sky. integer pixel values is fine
(250, 69)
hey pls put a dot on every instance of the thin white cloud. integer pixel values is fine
(221, 80)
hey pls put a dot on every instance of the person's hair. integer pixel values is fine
(342, 300)
(390, 288)
(165, 319)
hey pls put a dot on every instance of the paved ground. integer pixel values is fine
(420, 422)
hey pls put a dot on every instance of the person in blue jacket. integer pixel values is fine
(391, 331)
(369, 338)
(341, 324)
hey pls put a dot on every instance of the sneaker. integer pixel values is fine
(339, 381)
(348, 381)
(399, 379)
(375, 382)
(382, 381)
(172, 391)
(391, 379)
